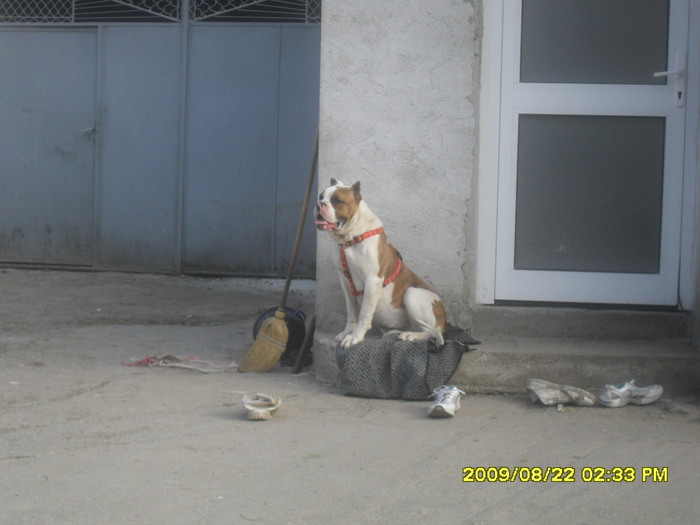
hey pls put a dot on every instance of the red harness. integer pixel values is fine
(346, 268)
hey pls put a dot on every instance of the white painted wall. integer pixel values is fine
(398, 92)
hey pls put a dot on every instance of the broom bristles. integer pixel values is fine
(269, 345)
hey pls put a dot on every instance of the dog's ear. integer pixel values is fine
(334, 182)
(356, 191)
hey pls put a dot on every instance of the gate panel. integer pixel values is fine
(231, 149)
(140, 153)
(298, 122)
(47, 132)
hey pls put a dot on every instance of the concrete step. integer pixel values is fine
(504, 365)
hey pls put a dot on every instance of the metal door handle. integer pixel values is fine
(668, 73)
(89, 132)
(679, 74)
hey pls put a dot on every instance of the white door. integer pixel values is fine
(591, 150)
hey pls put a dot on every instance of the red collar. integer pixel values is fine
(362, 237)
(346, 268)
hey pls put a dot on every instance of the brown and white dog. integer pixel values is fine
(378, 287)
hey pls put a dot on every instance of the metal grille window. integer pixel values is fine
(127, 10)
(36, 11)
(93, 11)
(308, 11)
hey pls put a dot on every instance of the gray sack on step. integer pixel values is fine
(389, 368)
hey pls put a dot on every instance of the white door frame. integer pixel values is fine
(489, 158)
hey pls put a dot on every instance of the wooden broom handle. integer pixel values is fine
(300, 228)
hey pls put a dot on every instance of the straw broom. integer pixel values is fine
(273, 335)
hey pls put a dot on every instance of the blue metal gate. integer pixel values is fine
(150, 141)
(47, 124)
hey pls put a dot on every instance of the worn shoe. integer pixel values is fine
(620, 395)
(261, 406)
(554, 394)
(446, 401)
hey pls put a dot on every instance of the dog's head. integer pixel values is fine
(337, 204)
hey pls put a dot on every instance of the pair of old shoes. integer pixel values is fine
(261, 406)
(613, 396)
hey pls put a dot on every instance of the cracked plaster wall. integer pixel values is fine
(399, 90)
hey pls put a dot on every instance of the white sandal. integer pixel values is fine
(260, 406)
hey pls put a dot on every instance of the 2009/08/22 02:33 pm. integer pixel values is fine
(564, 474)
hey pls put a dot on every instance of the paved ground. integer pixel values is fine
(85, 440)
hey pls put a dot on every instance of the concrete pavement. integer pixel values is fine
(85, 440)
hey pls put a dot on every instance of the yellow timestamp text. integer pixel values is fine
(564, 474)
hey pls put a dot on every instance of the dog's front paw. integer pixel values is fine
(407, 336)
(352, 339)
(342, 335)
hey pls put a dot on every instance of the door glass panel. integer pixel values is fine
(594, 41)
(589, 192)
